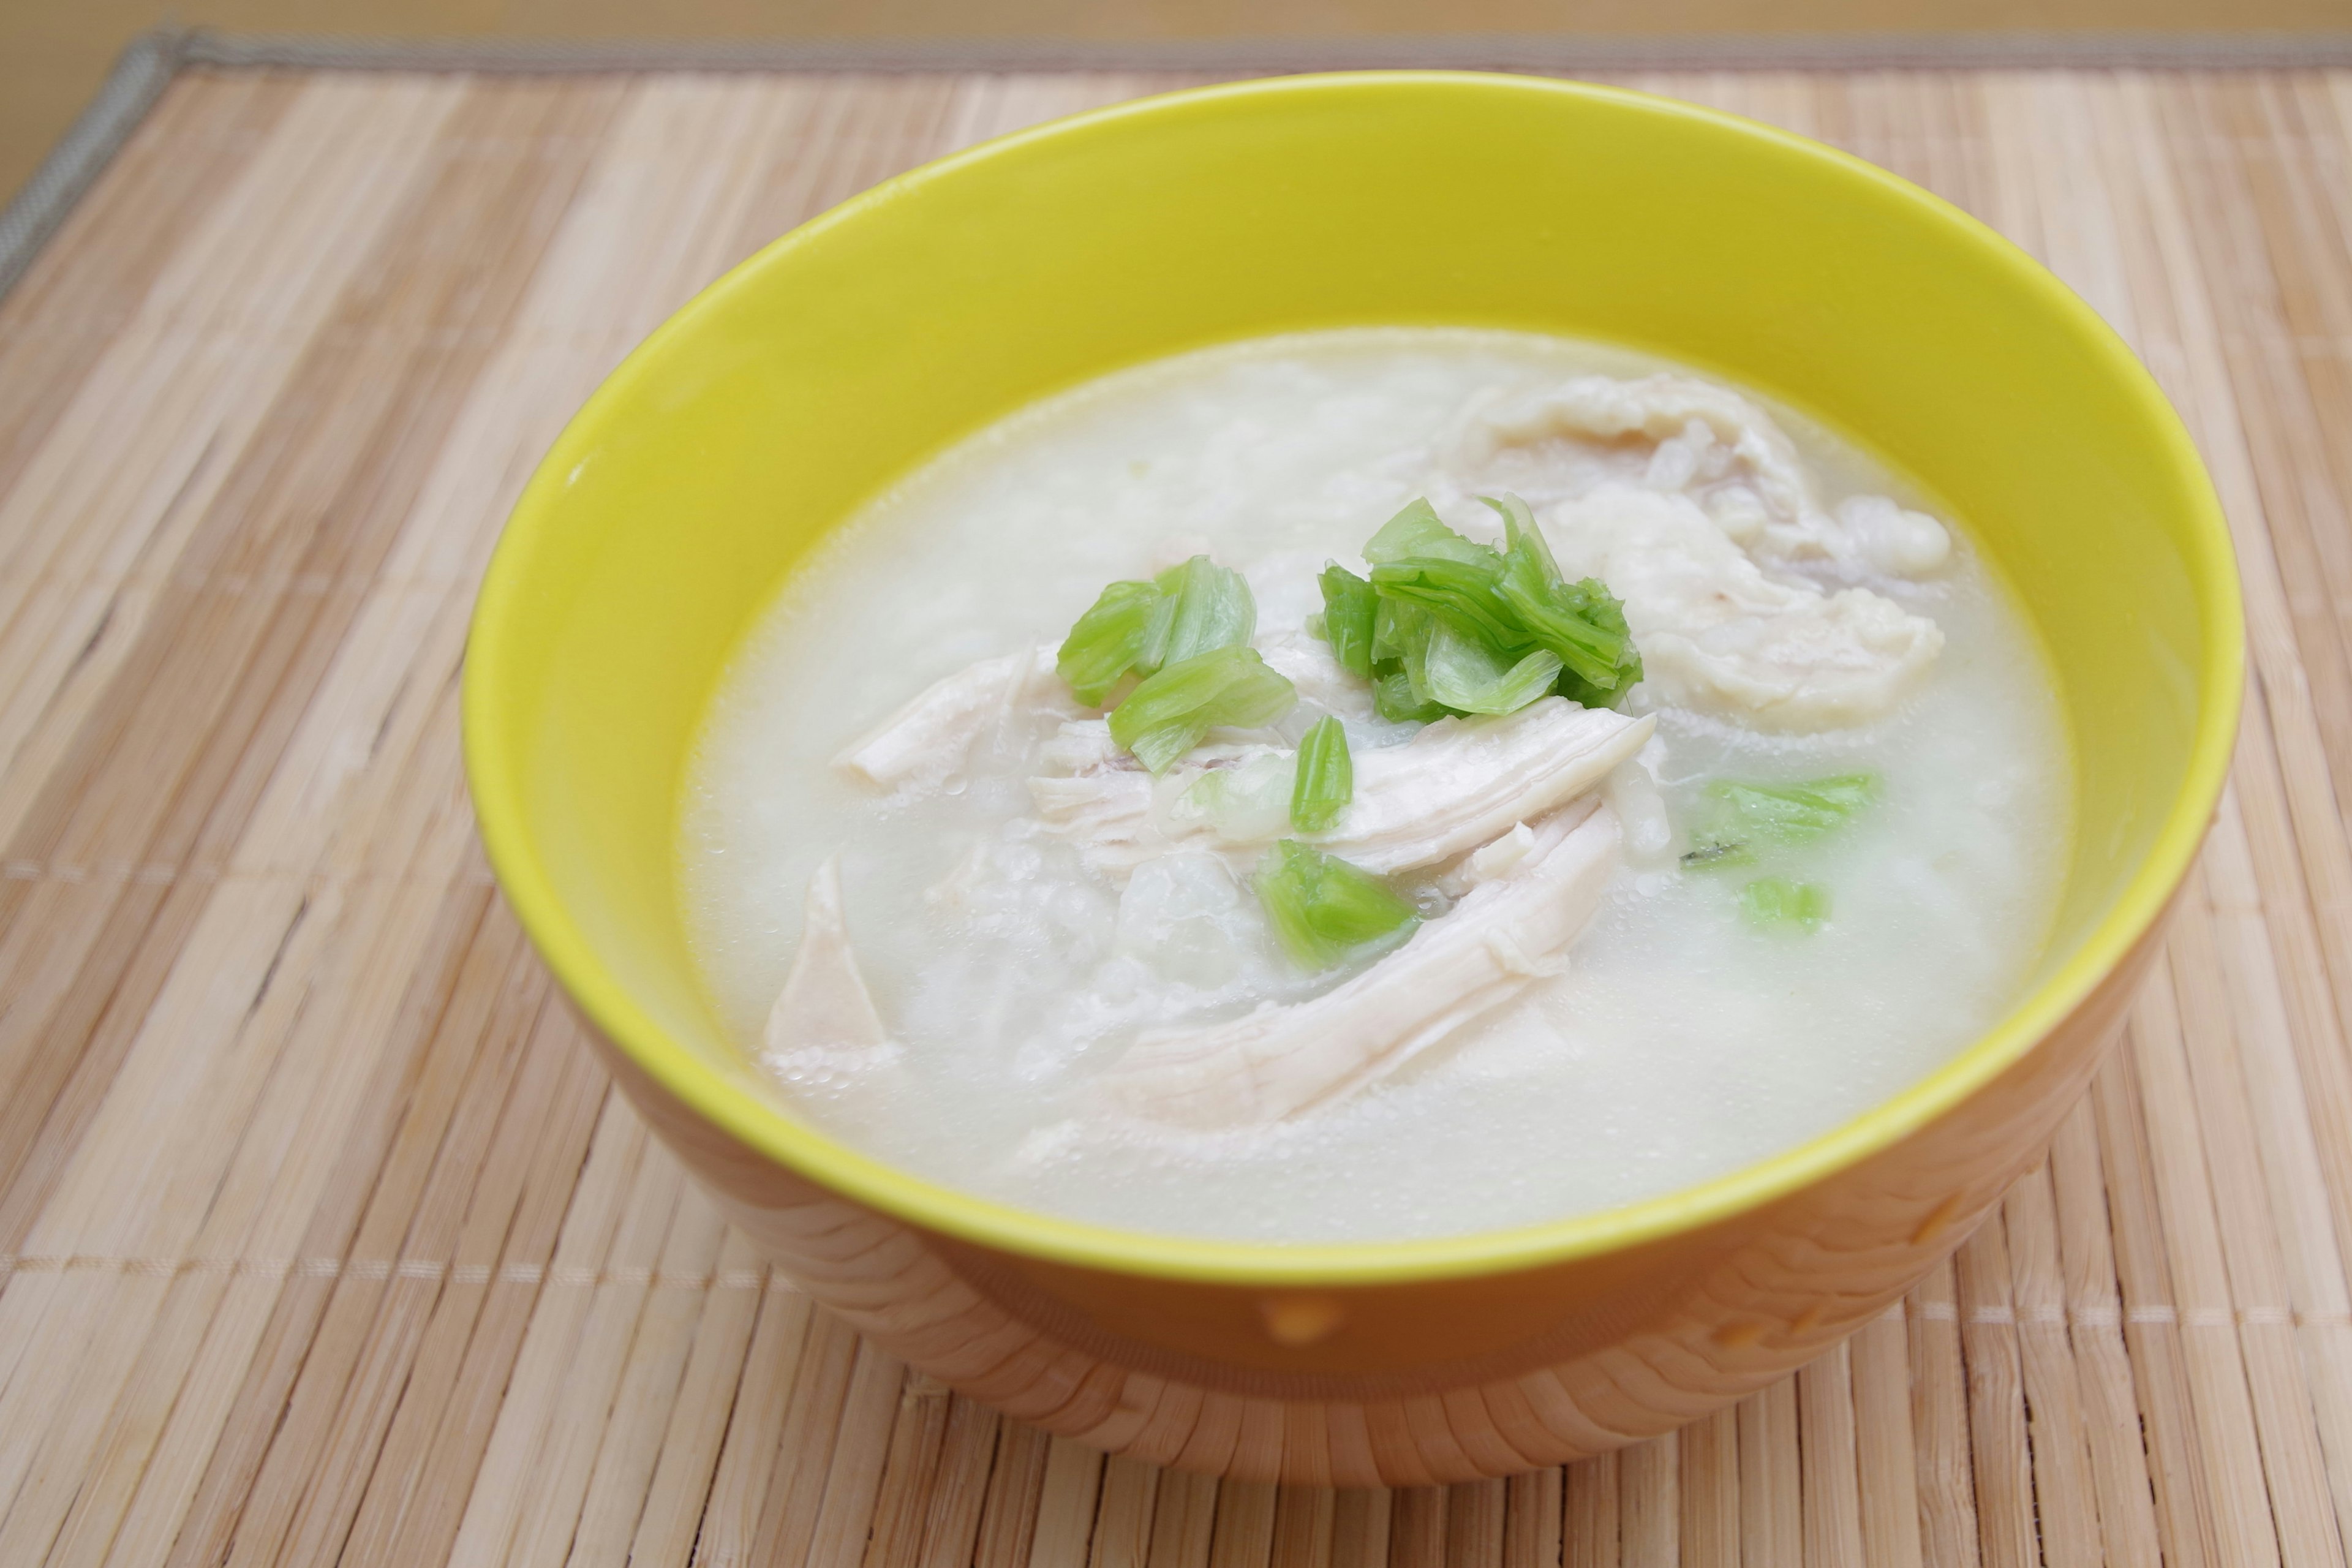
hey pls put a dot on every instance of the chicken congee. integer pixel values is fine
(1374, 785)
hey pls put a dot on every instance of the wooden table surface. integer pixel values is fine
(322, 1238)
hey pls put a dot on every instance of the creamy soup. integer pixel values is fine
(1521, 936)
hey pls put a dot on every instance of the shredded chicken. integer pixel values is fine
(1718, 636)
(825, 1007)
(1660, 408)
(1096, 795)
(927, 741)
(1725, 451)
(1455, 786)
(1305, 661)
(1510, 928)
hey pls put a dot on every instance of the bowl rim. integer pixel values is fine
(492, 752)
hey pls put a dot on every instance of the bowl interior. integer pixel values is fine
(665, 519)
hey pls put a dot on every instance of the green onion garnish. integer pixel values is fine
(1323, 909)
(1213, 609)
(1580, 622)
(1417, 532)
(1393, 701)
(1400, 631)
(1797, 812)
(1741, 818)
(1469, 676)
(1472, 629)
(1167, 715)
(1125, 627)
(1325, 780)
(1465, 594)
(1349, 605)
(1776, 903)
(1137, 627)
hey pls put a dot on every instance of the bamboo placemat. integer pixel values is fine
(323, 1239)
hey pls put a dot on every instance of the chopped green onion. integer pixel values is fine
(1803, 811)
(1394, 699)
(1790, 814)
(1470, 677)
(1418, 532)
(1167, 715)
(1522, 540)
(1445, 625)
(1324, 909)
(1743, 818)
(1137, 627)
(1417, 559)
(1466, 594)
(1114, 636)
(1326, 781)
(1349, 604)
(1213, 608)
(1580, 622)
(1776, 903)
(1399, 631)
(1513, 629)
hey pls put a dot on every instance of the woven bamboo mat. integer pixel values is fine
(322, 1240)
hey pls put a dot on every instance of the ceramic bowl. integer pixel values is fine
(685, 492)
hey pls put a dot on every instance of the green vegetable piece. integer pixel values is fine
(1167, 715)
(1349, 607)
(1583, 622)
(1775, 903)
(1585, 625)
(1418, 532)
(1324, 910)
(1469, 676)
(1213, 608)
(1743, 818)
(1790, 814)
(1522, 540)
(1446, 624)
(1325, 780)
(1118, 635)
(1415, 557)
(1466, 594)
(1719, 854)
(1399, 631)
(1393, 699)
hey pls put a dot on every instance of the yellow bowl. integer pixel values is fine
(671, 511)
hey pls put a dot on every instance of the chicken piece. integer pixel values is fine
(1098, 796)
(1462, 781)
(1643, 822)
(1718, 636)
(1455, 786)
(1305, 661)
(825, 1007)
(924, 742)
(1659, 408)
(1725, 450)
(1510, 928)
(1893, 539)
(1494, 858)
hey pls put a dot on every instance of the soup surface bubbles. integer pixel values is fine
(1728, 999)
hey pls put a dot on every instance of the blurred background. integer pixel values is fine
(55, 53)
